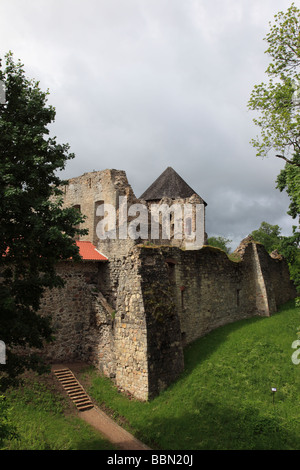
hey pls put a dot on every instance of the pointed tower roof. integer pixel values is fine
(168, 184)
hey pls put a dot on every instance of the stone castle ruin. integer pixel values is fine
(133, 303)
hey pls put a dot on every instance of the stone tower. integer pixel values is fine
(178, 209)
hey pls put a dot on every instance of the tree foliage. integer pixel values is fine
(268, 235)
(289, 180)
(35, 230)
(288, 246)
(290, 249)
(278, 103)
(220, 242)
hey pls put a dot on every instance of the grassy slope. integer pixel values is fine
(39, 420)
(224, 400)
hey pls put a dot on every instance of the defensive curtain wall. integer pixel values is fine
(132, 311)
(132, 315)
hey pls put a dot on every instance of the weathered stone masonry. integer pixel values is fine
(81, 319)
(166, 298)
(133, 314)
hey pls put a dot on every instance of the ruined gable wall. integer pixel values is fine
(277, 278)
(88, 190)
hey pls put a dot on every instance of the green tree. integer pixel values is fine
(220, 242)
(278, 103)
(290, 249)
(35, 230)
(289, 180)
(268, 235)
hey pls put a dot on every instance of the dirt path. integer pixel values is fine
(103, 423)
(112, 431)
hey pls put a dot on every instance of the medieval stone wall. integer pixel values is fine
(164, 298)
(132, 316)
(183, 223)
(92, 189)
(178, 296)
(164, 346)
(208, 289)
(277, 278)
(130, 331)
(116, 251)
(81, 321)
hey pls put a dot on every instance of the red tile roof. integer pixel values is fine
(88, 252)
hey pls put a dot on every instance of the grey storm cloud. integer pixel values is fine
(141, 85)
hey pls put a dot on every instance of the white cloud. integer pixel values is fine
(145, 84)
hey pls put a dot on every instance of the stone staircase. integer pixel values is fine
(74, 389)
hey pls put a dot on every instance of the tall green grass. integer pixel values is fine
(223, 400)
(37, 416)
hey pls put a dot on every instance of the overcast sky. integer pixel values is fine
(140, 85)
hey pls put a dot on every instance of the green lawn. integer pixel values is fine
(224, 400)
(37, 414)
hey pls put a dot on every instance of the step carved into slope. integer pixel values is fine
(74, 389)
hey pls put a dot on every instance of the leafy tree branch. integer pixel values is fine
(36, 231)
